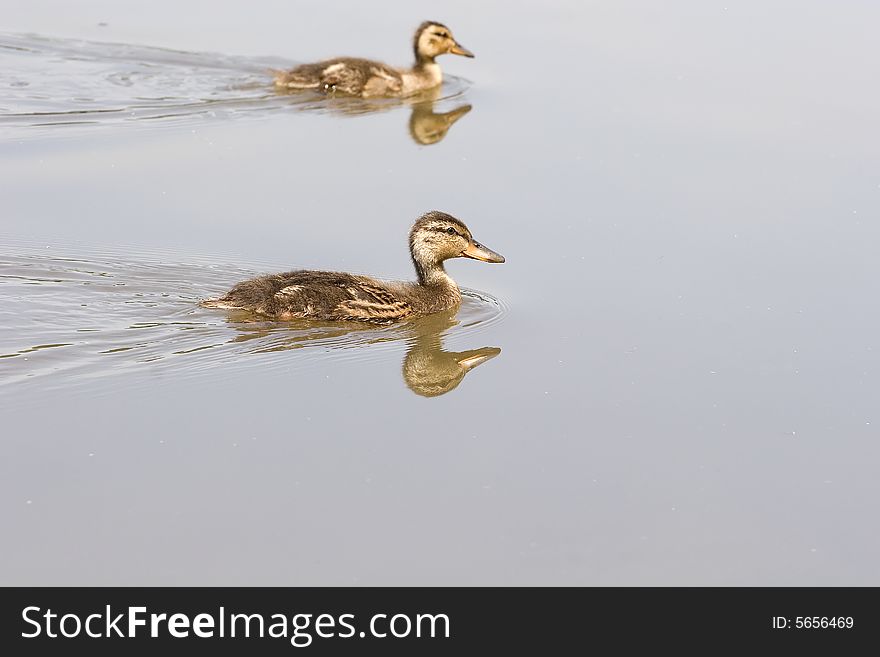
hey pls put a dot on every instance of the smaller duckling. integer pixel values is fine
(334, 296)
(366, 78)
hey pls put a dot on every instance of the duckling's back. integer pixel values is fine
(321, 295)
(347, 75)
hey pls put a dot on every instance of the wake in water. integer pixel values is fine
(49, 82)
(69, 320)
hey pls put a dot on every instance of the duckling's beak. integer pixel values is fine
(477, 251)
(458, 49)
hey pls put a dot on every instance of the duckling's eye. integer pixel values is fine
(451, 230)
(442, 35)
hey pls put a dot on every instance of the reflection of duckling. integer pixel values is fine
(427, 127)
(321, 295)
(430, 371)
(362, 77)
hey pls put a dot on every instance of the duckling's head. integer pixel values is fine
(437, 236)
(433, 39)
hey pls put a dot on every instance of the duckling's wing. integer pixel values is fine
(382, 81)
(361, 77)
(346, 75)
(371, 302)
(330, 75)
(319, 295)
(336, 296)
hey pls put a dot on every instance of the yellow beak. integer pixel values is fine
(477, 251)
(458, 49)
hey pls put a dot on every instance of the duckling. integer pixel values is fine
(335, 296)
(365, 78)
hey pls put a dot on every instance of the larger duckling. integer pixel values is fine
(334, 296)
(365, 78)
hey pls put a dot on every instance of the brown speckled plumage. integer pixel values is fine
(336, 296)
(345, 75)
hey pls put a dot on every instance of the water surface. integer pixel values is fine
(686, 390)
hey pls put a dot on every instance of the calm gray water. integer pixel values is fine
(680, 357)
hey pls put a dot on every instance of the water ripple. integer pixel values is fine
(70, 319)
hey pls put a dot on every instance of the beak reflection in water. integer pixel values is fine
(428, 370)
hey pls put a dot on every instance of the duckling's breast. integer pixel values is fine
(424, 76)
